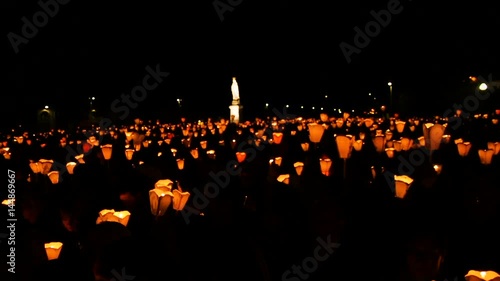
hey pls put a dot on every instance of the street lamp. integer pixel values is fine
(390, 93)
(483, 87)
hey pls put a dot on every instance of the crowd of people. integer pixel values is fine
(264, 196)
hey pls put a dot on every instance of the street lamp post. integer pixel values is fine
(390, 95)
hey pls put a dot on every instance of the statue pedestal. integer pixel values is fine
(234, 112)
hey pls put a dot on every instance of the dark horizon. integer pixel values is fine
(281, 52)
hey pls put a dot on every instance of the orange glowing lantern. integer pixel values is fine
(54, 177)
(129, 153)
(315, 132)
(53, 250)
(389, 152)
(159, 201)
(299, 167)
(285, 178)
(70, 167)
(180, 164)
(277, 137)
(107, 150)
(402, 184)
(475, 275)
(241, 156)
(325, 165)
(463, 148)
(485, 156)
(180, 199)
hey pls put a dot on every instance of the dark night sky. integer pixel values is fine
(277, 49)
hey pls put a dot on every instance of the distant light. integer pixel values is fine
(313, 108)
(321, 109)
(326, 96)
(340, 111)
(483, 87)
(369, 94)
(46, 107)
(178, 100)
(472, 78)
(389, 84)
(302, 107)
(93, 98)
(287, 106)
(267, 104)
(352, 110)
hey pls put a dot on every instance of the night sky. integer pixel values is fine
(282, 52)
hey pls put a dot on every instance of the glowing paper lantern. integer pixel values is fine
(344, 146)
(165, 185)
(277, 137)
(241, 156)
(400, 126)
(46, 165)
(495, 146)
(421, 141)
(402, 184)
(107, 150)
(358, 145)
(36, 167)
(211, 154)
(388, 135)
(438, 168)
(433, 134)
(194, 153)
(463, 148)
(369, 122)
(70, 167)
(379, 143)
(80, 159)
(110, 215)
(278, 160)
(325, 165)
(180, 164)
(8, 202)
(174, 151)
(446, 139)
(129, 153)
(285, 178)
(486, 155)
(53, 249)
(475, 275)
(180, 199)
(122, 217)
(54, 177)
(305, 146)
(406, 143)
(315, 132)
(299, 167)
(159, 201)
(389, 152)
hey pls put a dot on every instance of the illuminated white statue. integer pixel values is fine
(235, 90)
